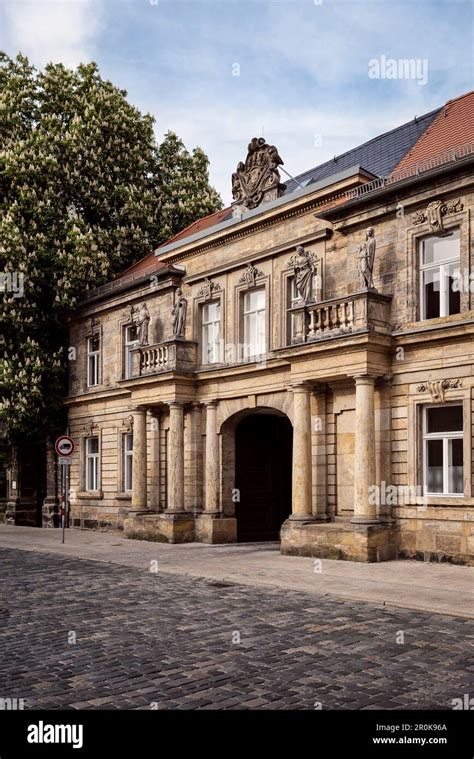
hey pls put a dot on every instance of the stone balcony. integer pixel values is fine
(167, 356)
(365, 310)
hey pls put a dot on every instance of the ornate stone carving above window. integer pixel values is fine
(257, 180)
(94, 325)
(91, 427)
(127, 424)
(438, 388)
(208, 289)
(435, 212)
(250, 276)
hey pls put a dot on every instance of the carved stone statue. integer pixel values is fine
(366, 258)
(179, 314)
(258, 179)
(142, 320)
(304, 267)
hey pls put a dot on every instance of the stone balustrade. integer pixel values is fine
(170, 355)
(358, 312)
(154, 359)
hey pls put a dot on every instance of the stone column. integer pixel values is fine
(302, 465)
(155, 459)
(364, 454)
(139, 459)
(175, 455)
(320, 455)
(50, 510)
(193, 486)
(211, 505)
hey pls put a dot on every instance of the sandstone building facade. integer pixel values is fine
(296, 367)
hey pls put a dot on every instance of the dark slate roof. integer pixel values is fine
(379, 155)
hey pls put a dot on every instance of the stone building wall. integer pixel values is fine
(400, 355)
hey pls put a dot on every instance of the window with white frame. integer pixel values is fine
(127, 461)
(211, 330)
(130, 342)
(443, 450)
(92, 463)
(254, 320)
(93, 360)
(439, 275)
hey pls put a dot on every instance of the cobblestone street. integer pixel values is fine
(156, 640)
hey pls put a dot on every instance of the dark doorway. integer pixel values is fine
(263, 450)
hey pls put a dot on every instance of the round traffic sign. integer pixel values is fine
(64, 446)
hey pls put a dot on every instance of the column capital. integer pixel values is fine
(176, 404)
(137, 409)
(210, 404)
(365, 379)
(301, 387)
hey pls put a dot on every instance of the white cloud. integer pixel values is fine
(58, 31)
(305, 136)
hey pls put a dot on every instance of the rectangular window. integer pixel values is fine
(294, 322)
(93, 357)
(443, 450)
(130, 342)
(92, 463)
(439, 275)
(254, 323)
(211, 329)
(127, 462)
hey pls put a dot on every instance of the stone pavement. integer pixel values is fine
(77, 633)
(431, 587)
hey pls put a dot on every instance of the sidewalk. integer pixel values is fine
(437, 588)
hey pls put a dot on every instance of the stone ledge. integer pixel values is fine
(210, 529)
(164, 528)
(336, 540)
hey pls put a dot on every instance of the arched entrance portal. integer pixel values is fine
(263, 450)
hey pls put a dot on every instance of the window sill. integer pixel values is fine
(447, 501)
(123, 496)
(90, 495)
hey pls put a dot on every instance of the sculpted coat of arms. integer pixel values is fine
(258, 179)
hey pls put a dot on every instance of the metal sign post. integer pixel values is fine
(64, 447)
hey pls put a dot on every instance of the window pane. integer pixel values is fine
(453, 288)
(437, 249)
(261, 332)
(93, 445)
(91, 473)
(94, 344)
(444, 419)
(254, 300)
(455, 466)
(128, 473)
(131, 334)
(431, 287)
(212, 312)
(434, 479)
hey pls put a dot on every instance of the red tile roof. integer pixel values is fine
(152, 262)
(453, 127)
(197, 226)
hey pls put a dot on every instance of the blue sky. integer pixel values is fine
(219, 72)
